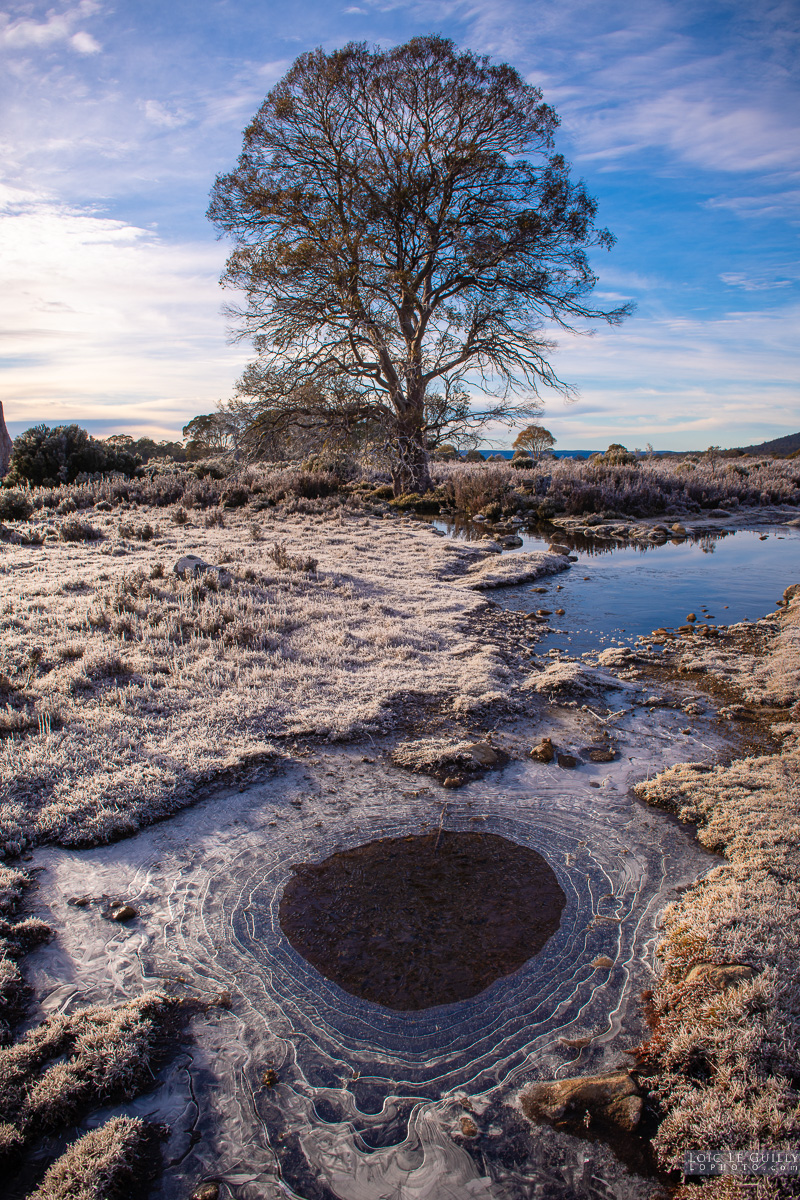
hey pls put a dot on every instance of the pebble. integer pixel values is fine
(206, 1191)
(568, 761)
(468, 1127)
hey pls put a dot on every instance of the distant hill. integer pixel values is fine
(782, 445)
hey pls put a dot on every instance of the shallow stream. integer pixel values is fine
(617, 592)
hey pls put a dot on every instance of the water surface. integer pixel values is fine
(617, 592)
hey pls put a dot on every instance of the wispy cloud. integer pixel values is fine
(26, 33)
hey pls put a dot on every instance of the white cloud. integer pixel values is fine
(101, 319)
(84, 43)
(25, 32)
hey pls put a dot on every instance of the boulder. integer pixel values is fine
(601, 1100)
(568, 761)
(790, 592)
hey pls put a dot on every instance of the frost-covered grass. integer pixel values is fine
(101, 1165)
(124, 685)
(646, 488)
(724, 1062)
(71, 1062)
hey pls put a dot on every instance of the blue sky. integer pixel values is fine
(683, 118)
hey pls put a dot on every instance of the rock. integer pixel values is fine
(190, 564)
(544, 752)
(544, 612)
(616, 656)
(541, 589)
(510, 541)
(790, 592)
(205, 1191)
(123, 912)
(600, 754)
(794, 523)
(602, 962)
(79, 901)
(468, 1127)
(554, 549)
(679, 529)
(454, 781)
(6, 446)
(719, 975)
(568, 761)
(719, 512)
(691, 617)
(484, 754)
(560, 612)
(270, 1077)
(610, 1100)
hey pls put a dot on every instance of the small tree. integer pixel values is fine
(534, 440)
(401, 228)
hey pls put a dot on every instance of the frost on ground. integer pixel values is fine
(722, 1060)
(514, 569)
(125, 685)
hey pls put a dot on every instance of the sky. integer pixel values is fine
(682, 117)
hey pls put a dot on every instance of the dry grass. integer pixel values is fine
(723, 1063)
(128, 686)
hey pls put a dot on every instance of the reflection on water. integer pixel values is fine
(422, 920)
(618, 591)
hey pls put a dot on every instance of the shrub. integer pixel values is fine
(289, 562)
(46, 457)
(14, 505)
(78, 531)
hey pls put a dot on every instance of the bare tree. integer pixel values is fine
(402, 226)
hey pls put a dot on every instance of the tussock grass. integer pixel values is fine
(722, 1064)
(69, 1064)
(104, 1164)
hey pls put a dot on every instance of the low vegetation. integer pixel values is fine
(721, 1063)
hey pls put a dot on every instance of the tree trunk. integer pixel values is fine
(409, 452)
(5, 445)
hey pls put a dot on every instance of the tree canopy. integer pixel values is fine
(45, 457)
(403, 230)
(534, 440)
